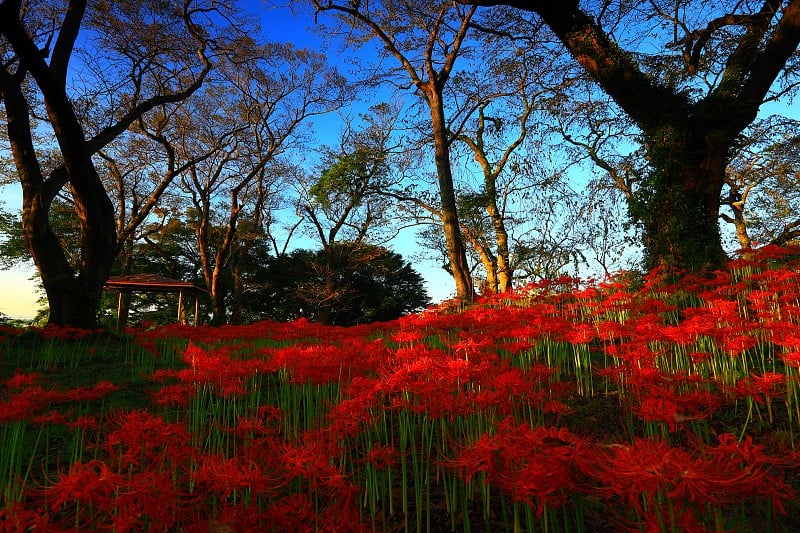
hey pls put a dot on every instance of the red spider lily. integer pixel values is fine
(147, 496)
(236, 517)
(15, 517)
(697, 322)
(431, 381)
(26, 403)
(142, 439)
(177, 395)
(699, 357)
(311, 461)
(381, 456)
(639, 472)
(725, 474)
(91, 483)
(674, 407)
(659, 410)
(342, 515)
(735, 342)
(610, 330)
(84, 422)
(223, 476)
(468, 346)
(724, 311)
(767, 385)
(292, 514)
(410, 337)
(581, 333)
(537, 466)
(218, 369)
(87, 394)
(270, 412)
(791, 359)
(786, 335)
(514, 346)
(326, 364)
(351, 416)
(744, 470)
(50, 417)
(21, 380)
(52, 331)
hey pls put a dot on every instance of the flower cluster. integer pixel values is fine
(558, 407)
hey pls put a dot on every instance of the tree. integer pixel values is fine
(347, 202)
(691, 100)
(500, 99)
(140, 168)
(371, 284)
(425, 38)
(762, 184)
(165, 49)
(269, 93)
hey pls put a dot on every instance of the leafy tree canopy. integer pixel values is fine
(363, 283)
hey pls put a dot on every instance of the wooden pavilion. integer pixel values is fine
(154, 283)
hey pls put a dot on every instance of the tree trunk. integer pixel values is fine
(490, 265)
(210, 272)
(504, 272)
(456, 251)
(238, 292)
(124, 307)
(678, 203)
(218, 296)
(72, 299)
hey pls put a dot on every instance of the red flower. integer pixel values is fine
(21, 380)
(90, 483)
(382, 456)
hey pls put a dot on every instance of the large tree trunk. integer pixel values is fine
(456, 251)
(72, 298)
(678, 204)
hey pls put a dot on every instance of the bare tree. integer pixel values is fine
(268, 95)
(425, 39)
(144, 55)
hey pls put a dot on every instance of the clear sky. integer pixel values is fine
(18, 293)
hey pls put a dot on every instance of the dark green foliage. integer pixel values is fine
(348, 284)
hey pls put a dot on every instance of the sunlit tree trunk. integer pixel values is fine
(456, 252)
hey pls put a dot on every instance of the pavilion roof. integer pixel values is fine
(150, 283)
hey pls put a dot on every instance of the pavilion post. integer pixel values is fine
(180, 306)
(119, 311)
